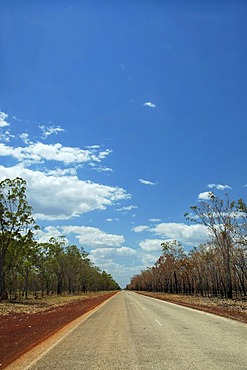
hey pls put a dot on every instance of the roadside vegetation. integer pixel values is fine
(44, 269)
(33, 305)
(217, 268)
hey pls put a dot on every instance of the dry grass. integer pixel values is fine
(32, 305)
(232, 308)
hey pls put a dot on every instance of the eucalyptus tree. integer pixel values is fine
(74, 267)
(173, 254)
(221, 217)
(16, 226)
(56, 261)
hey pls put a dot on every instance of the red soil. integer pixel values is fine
(19, 332)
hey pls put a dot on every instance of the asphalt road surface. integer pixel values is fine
(132, 331)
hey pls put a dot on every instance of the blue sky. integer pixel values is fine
(121, 115)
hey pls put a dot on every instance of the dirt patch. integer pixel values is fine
(232, 309)
(20, 331)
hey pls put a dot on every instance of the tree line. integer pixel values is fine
(28, 265)
(216, 268)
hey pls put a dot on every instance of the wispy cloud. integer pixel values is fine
(146, 182)
(149, 104)
(154, 219)
(25, 137)
(128, 208)
(6, 136)
(49, 130)
(100, 168)
(219, 186)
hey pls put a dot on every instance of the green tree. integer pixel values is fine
(16, 225)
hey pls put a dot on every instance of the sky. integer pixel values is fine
(120, 115)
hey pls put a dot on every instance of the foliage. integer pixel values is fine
(51, 267)
(16, 225)
(218, 267)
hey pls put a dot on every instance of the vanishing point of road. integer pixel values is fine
(131, 331)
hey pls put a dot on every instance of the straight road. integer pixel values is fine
(137, 332)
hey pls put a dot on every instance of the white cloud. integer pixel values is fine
(149, 259)
(154, 219)
(3, 121)
(61, 171)
(128, 208)
(62, 197)
(146, 182)
(44, 235)
(219, 186)
(122, 273)
(93, 146)
(47, 131)
(139, 229)
(25, 137)
(151, 245)
(186, 234)
(113, 253)
(206, 195)
(100, 168)
(6, 136)
(112, 219)
(149, 104)
(118, 262)
(94, 237)
(38, 152)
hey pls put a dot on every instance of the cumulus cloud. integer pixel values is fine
(151, 244)
(139, 229)
(146, 182)
(186, 234)
(43, 235)
(206, 195)
(118, 262)
(149, 259)
(219, 186)
(121, 272)
(3, 119)
(63, 197)
(149, 104)
(94, 237)
(113, 253)
(38, 152)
